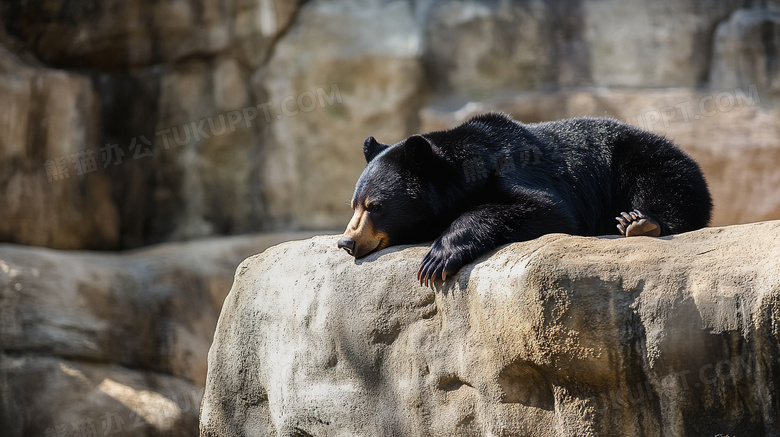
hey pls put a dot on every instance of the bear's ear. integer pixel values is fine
(418, 149)
(371, 148)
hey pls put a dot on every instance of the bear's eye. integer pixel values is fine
(374, 207)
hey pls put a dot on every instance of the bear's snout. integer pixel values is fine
(347, 244)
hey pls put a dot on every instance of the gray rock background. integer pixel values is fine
(240, 116)
(559, 336)
(114, 343)
(130, 123)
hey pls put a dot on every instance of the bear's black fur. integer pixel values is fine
(492, 181)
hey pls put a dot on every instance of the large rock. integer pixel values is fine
(557, 336)
(364, 78)
(476, 48)
(641, 44)
(733, 133)
(52, 194)
(113, 340)
(192, 100)
(745, 51)
(107, 36)
(160, 82)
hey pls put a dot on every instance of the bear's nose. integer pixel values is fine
(347, 244)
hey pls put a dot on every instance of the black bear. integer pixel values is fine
(492, 181)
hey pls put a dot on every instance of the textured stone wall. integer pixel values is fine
(126, 123)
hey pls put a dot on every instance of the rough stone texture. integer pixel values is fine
(237, 116)
(746, 51)
(55, 396)
(205, 176)
(147, 68)
(556, 336)
(47, 118)
(138, 33)
(116, 339)
(732, 133)
(652, 44)
(327, 105)
(477, 48)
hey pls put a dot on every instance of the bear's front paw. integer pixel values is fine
(439, 262)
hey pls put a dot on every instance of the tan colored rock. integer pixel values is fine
(651, 44)
(364, 78)
(52, 192)
(147, 69)
(86, 335)
(210, 159)
(475, 48)
(141, 33)
(732, 133)
(55, 396)
(745, 51)
(559, 336)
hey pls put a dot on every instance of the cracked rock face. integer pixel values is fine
(557, 336)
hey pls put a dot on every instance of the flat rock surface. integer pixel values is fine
(557, 336)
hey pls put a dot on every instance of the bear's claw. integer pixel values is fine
(430, 270)
(636, 223)
(437, 264)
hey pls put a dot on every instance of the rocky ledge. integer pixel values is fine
(557, 336)
(106, 343)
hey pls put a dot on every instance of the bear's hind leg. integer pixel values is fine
(636, 223)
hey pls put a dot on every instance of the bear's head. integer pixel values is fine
(395, 200)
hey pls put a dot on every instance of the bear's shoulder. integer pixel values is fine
(490, 125)
(492, 118)
(499, 122)
(601, 128)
